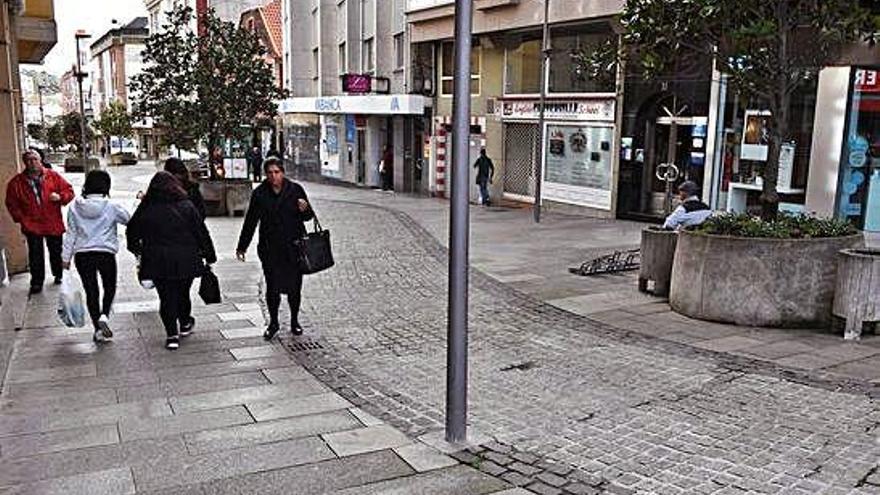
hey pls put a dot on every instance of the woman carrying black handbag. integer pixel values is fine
(279, 206)
(173, 243)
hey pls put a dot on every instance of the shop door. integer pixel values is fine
(361, 155)
(522, 150)
(676, 141)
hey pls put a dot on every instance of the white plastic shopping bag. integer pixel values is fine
(71, 307)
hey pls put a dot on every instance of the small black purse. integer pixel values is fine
(314, 251)
(209, 287)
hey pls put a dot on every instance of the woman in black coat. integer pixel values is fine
(170, 237)
(178, 169)
(280, 207)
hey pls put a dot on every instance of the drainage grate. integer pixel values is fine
(304, 345)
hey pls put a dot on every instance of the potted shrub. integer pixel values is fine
(740, 269)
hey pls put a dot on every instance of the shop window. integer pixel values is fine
(858, 192)
(316, 64)
(447, 69)
(343, 59)
(367, 56)
(399, 49)
(522, 71)
(566, 76)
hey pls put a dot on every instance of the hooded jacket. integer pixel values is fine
(91, 226)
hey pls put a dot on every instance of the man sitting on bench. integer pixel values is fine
(691, 211)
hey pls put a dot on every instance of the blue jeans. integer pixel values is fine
(484, 192)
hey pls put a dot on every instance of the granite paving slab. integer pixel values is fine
(230, 463)
(270, 431)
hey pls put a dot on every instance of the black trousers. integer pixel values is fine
(90, 266)
(294, 297)
(37, 260)
(175, 306)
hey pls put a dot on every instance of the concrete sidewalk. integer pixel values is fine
(534, 259)
(227, 413)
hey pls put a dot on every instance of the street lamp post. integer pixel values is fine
(457, 345)
(539, 165)
(80, 75)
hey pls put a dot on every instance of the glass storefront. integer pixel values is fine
(858, 191)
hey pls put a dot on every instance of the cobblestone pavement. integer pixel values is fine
(630, 412)
(226, 414)
(534, 259)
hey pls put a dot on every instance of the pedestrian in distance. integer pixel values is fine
(280, 207)
(485, 176)
(177, 168)
(386, 169)
(255, 160)
(92, 242)
(169, 236)
(34, 199)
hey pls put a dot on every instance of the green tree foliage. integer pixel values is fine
(204, 87)
(36, 132)
(115, 121)
(767, 49)
(70, 126)
(55, 136)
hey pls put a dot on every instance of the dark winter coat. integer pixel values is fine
(43, 217)
(281, 223)
(171, 239)
(194, 195)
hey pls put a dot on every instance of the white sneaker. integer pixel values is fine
(99, 337)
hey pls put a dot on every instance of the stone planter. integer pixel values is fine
(238, 196)
(757, 282)
(214, 194)
(857, 294)
(657, 252)
(226, 196)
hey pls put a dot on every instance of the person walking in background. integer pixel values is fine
(279, 206)
(92, 242)
(171, 239)
(255, 161)
(386, 169)
(485, 176)
(177, 168)
(34, 199)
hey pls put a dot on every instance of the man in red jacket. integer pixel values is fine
(34, 199)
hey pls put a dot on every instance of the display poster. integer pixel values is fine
(578, 165)
(756, 136)
(350, 128)
(332, 139)
(236, 168)
(786, 166)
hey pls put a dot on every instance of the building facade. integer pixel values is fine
(349, 105)
(581, 114)
(29, 31)
(115, 60)
(610, 141)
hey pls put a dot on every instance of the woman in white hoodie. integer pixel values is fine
(92, 242)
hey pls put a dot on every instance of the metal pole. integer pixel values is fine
(82, 106)
(457, 351)
(539, 163)
(42, 115)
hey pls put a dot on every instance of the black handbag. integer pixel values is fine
(314, 251)
(209, 287)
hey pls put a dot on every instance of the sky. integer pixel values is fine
(95, 17)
